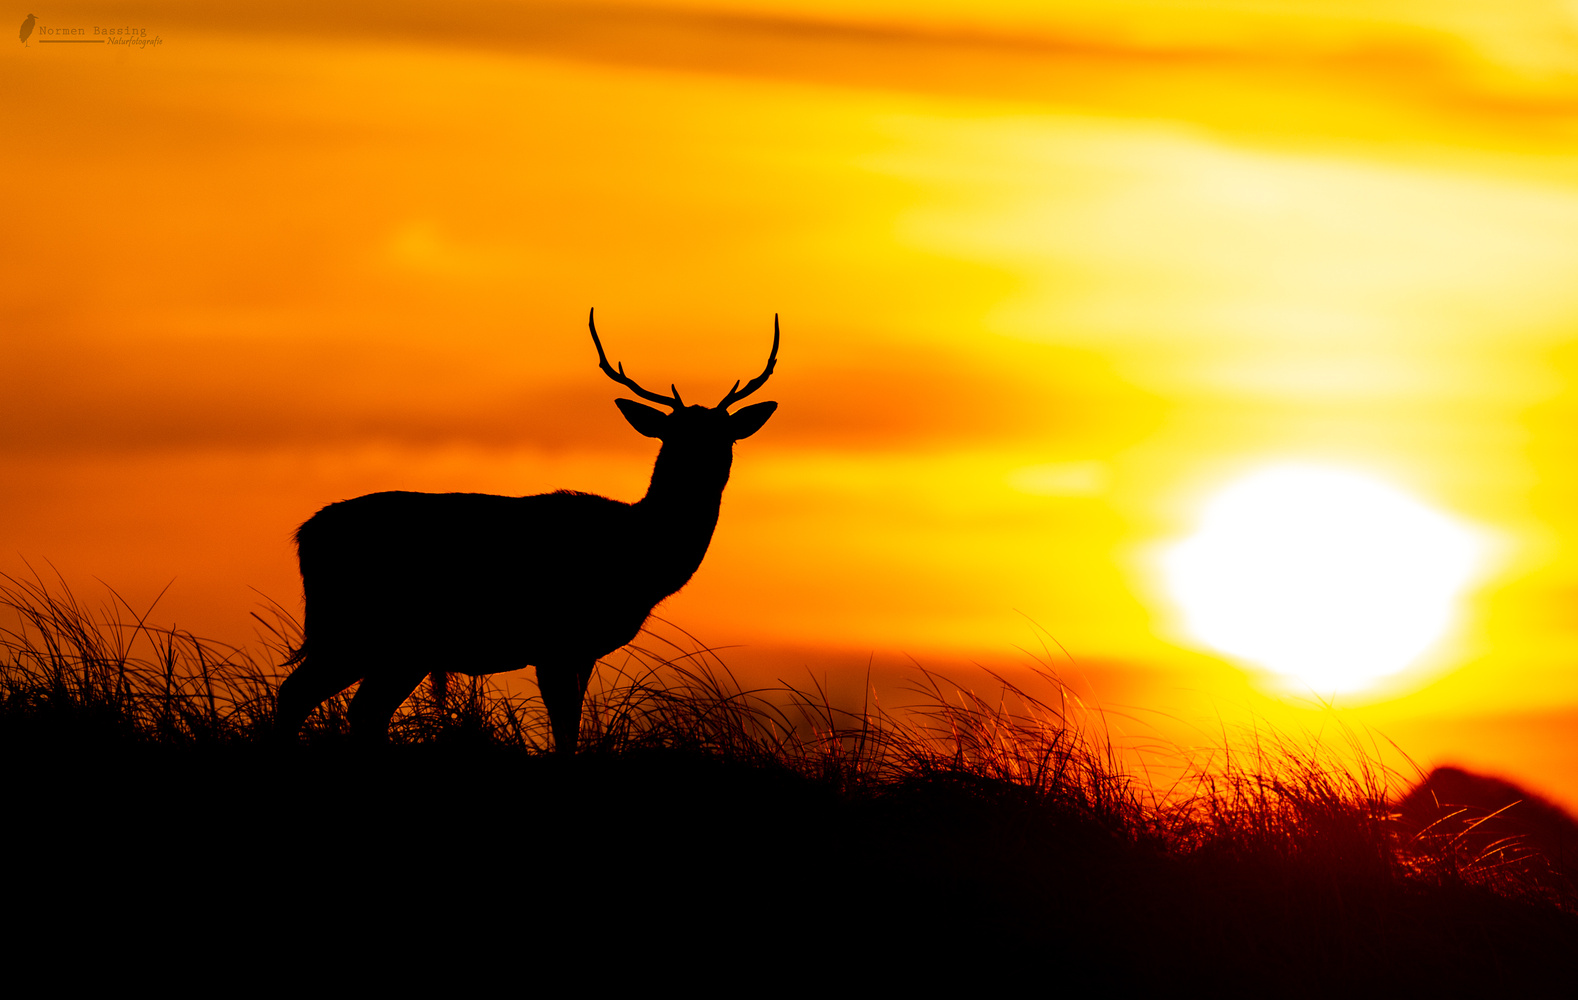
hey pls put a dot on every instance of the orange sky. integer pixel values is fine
(1048, 275)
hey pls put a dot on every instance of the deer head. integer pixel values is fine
(685, 423)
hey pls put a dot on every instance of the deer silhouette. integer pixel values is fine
(399, 585)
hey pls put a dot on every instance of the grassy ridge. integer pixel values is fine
(756, 827)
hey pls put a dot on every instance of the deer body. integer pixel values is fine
(399, 585)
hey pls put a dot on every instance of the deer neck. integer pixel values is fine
(681, 510)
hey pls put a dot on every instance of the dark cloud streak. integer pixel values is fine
(104, 397)
(1074, 66)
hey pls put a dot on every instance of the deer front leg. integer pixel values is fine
(563, 689)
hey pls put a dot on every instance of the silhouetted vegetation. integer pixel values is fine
(769, 833)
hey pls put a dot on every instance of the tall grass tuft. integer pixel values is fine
(102, 672)
(1272, 808)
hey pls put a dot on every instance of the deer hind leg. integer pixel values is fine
(381, 693)
(319, 678)
(563, 690)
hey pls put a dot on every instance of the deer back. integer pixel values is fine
(474, 577)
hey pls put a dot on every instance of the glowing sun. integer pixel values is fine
(1327, 577)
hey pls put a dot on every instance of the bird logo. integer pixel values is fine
(27, 27)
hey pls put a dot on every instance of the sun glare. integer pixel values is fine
(1326, 577)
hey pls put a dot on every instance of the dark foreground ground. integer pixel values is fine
(233, 867)
(154, 839)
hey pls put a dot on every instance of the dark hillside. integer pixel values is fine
(705, 838)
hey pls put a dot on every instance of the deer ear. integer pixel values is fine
(642, 417)
(744, 423)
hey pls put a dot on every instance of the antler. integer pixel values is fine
(734, 394)
(673, 402)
